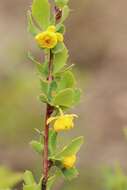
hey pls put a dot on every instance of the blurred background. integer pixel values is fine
(97, 39)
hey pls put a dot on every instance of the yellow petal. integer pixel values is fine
(46, 39)
(37, 37)
(51, 119)
(58, 128)
(72, 115)
(52, 28)
(69, 161)
(59, 37)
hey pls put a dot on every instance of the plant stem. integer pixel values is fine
(49, 110)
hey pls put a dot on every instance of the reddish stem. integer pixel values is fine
(49, 110)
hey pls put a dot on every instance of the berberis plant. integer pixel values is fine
(58, 92)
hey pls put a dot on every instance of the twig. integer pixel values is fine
(49, 111)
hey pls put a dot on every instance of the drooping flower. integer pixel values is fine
(69, 161)
(49, 38)
(62, 122)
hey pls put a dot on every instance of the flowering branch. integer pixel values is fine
(58, 92)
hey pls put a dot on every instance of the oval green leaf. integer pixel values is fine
(41, 13)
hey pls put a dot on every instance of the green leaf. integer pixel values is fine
(8, 178)
(31, 26)
(52, 142)
(52, 19)
(57, 162)
(64, 98)
(44, 86)
(43, 98)
(32, 58)
(37, 146)
(58, 48)
(42, 68)
(61, 3)
(72, 148)
(30, 183)
(38, 187)
(30, 187)
(67, 80)
(41, 13)
(59, 74)
(28, 178)
(60, 60)
(77, 96)
(60, 28)
(52, 89)
(50, 182)
(65, 13)
(70, 174)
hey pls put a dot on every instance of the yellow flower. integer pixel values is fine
(46, 39)
(69, 161)
(49, 38)
(62, 122)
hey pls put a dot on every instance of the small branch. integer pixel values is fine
(49, 110)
